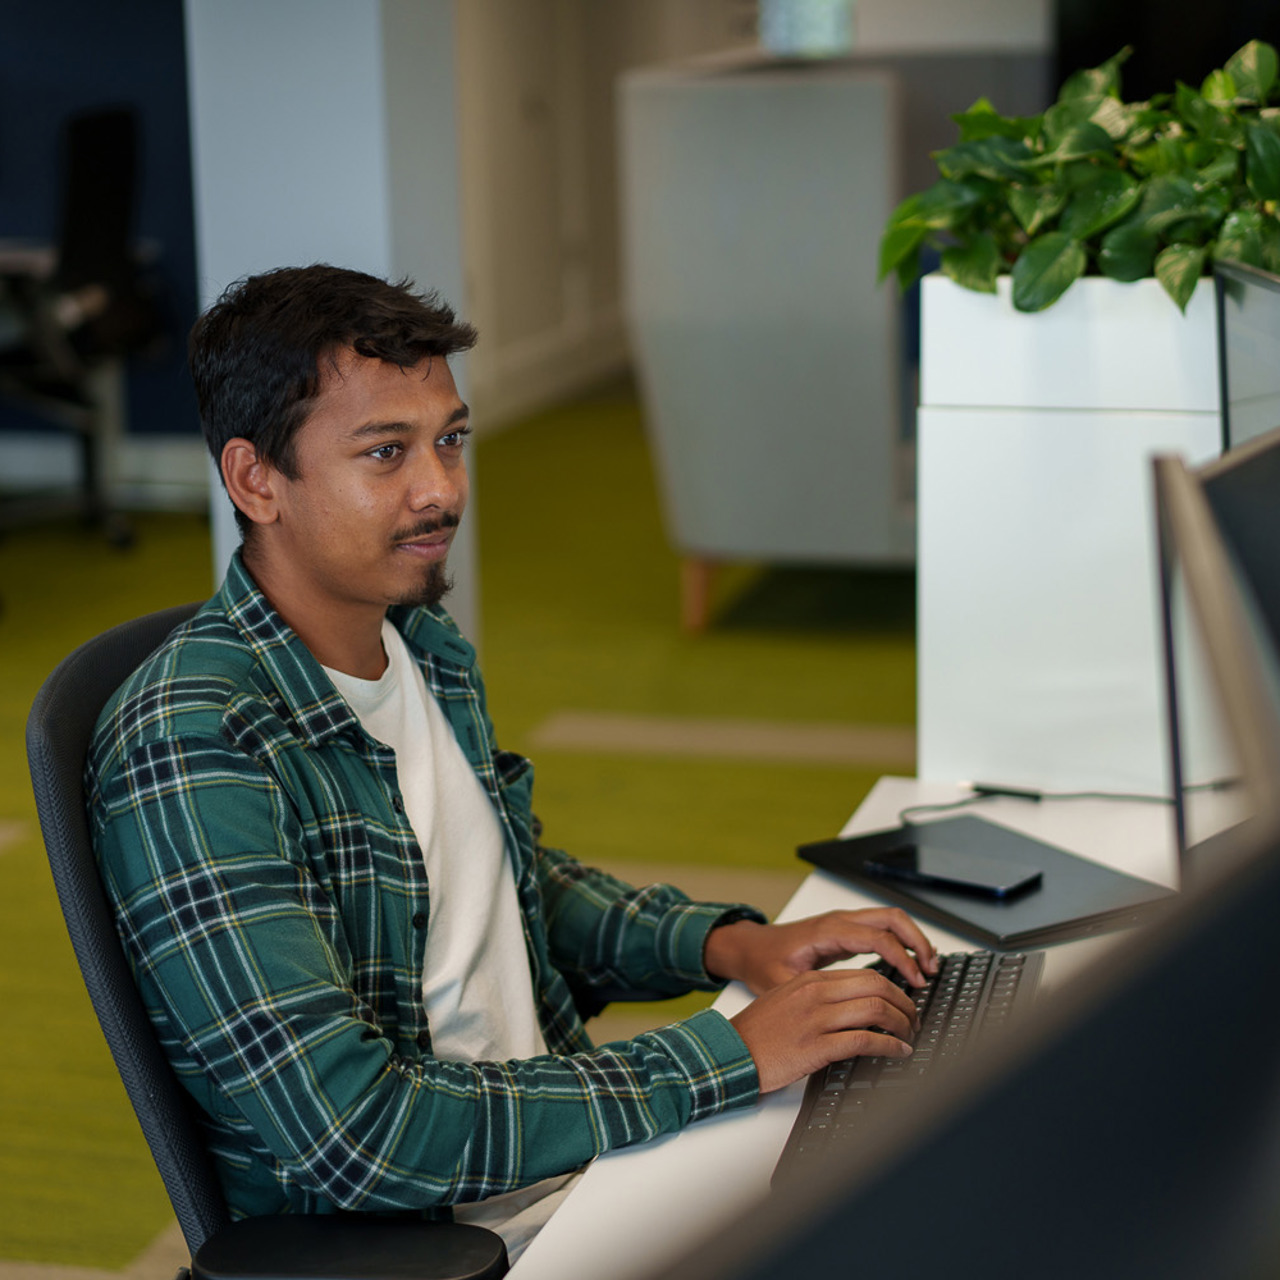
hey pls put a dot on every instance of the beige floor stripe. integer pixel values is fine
(887, 745)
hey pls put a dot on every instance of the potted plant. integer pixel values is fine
(1053, 366)
(1097, 185)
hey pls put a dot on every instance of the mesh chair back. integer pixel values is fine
(100, 177)
(58, 732)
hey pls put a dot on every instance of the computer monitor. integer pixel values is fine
(1248, 340)
(1131, 1128)
(1240, 491)
(1243, 488)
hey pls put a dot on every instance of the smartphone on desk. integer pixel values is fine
(941, 868)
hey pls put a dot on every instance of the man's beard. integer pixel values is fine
(436, 583)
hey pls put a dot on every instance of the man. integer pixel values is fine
(360, 959)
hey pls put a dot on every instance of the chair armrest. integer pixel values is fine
(349, 1247)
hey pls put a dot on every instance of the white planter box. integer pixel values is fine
(1102, 345)
(1039, 658)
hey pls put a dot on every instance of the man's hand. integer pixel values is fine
(765, 956)
(817, 1018)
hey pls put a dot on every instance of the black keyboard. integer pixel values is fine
(974, 994)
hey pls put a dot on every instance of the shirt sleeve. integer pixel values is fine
(624, 942)
(241, 956)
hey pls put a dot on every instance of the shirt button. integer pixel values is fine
(419, 920)
(424, 1039)
(397, 804)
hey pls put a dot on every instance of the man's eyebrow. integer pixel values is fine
(371, 430)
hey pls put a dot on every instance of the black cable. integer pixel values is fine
(904, 821)
(991, 791)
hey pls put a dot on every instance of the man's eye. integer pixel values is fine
(455, 439)
(385, 452)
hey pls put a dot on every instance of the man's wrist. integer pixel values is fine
(726, 943)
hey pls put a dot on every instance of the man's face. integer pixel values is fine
(381, 486)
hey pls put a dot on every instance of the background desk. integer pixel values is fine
(642, 1205)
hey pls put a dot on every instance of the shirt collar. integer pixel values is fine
(317, 708)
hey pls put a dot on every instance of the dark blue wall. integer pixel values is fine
(60, 56)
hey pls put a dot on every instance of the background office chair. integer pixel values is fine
(78, 319)
(342, 1247)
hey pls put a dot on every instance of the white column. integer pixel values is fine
(326, 131)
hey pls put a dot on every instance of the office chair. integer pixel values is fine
(339, 1247)
(78, 322)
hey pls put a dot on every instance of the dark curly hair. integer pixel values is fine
(256, 354)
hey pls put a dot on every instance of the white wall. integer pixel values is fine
(325, 130)
(536, 83)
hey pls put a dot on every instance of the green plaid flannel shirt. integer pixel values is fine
(274, 905)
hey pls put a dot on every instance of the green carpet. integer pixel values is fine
(579, 611)
(77, 1185)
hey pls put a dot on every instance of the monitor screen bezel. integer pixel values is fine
(1228, 276)
(1188, 538)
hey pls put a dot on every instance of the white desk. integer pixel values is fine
(642, 1205)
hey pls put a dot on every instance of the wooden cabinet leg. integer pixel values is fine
(696, 574)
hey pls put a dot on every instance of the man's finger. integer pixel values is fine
(864, 1042)
(845, 987)
(895, 921)
(904, 927)
(859, 937)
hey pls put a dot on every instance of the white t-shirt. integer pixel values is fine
(476, 982)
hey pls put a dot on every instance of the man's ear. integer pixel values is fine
(250, 481)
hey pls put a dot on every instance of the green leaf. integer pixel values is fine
(1224, 167)
(1262, 161)
(983, 121)
(1034, 206)
(1270, 234)
(939, 207)
(1218, 87)
(1061, 118)
(1145, 122)
(1107, 196)
(974, 265)
(900, 248)
(1178, 268)
(1253, 69)
(1167, 201)
(1046, 268)
(1240, 237)
(1097, 81)
(1128, 252)
(1165, 155)
(998, 158)
(907, 272)
(1203, 117)
(1215, 203)
(1115, 117)
(1086, 141)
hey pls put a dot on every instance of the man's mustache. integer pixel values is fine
(448, 520)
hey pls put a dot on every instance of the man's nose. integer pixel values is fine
(437, 482)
